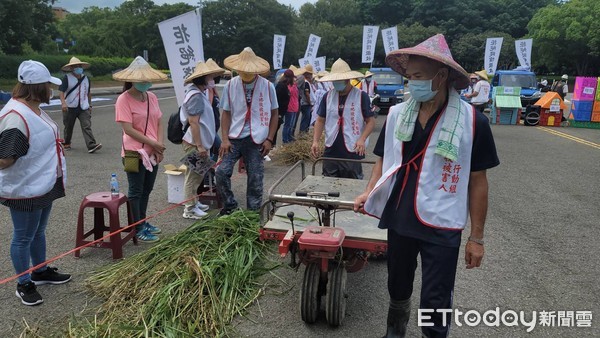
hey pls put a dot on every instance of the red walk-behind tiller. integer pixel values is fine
(317, 227)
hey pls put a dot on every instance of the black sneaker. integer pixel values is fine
(49, 276)
(94, 148)
(28, 294)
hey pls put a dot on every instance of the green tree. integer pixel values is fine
(231, 25)
(125, 31)
(25, 22)
(470, 50)
(339, 13)
(567, 36)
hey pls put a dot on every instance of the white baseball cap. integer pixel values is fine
(34, 72)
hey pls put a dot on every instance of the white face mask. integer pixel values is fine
(210, 84)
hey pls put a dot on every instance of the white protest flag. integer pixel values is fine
(523, 48)
(390, 39)
(278, 48)
(182, 37)
(370, 34)
(305, 61)
(492, 54)
(313, 46)
(319, 64)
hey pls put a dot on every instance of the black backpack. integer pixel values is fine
(176, 129)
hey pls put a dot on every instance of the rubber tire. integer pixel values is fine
(532, 115)
(335, 308)
(309, 293)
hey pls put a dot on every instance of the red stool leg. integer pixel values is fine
(79, 231)
(99, 225)
(130, 221)
(116, 244)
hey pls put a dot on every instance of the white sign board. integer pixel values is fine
(492, 54)
(182, 37)
(390, 39)
(554, 108)
(319, 64)
(312, 47)
(369, 40)
(278, 48)
(304, 61)
(523, 49)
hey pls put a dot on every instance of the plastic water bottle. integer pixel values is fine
(114, 185)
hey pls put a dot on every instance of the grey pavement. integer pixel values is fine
(542, 232)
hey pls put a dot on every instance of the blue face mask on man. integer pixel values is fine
(142, 86)
(420, 90)
(78, 70)
(339, 85)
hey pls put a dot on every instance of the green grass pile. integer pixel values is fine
(190, 285)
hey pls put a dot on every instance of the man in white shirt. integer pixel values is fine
(248, 126)
(481, 92)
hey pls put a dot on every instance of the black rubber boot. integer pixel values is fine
(397, 320)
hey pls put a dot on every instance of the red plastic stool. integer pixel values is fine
(100, 201)
(208, 192)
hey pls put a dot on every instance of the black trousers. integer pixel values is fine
(438, 275)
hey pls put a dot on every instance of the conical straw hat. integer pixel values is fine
(214, 66)
(203, 69)
(368, 73)
(434, 48)
(307, 69)
(341, 71)
(139, 71)
(74, 62)
(482, 74)
(297, 71)
(247, 62)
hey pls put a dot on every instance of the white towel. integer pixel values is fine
(448, 143)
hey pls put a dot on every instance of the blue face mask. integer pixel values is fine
(78, 70)
(420, 90)
(142, 86)
(339, 85)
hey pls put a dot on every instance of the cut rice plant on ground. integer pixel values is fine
(192, 284)
(297, 150)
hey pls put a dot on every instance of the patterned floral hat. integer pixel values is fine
(434, 48)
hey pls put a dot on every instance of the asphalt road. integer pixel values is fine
(542, 232)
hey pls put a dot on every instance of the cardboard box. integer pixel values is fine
(175, 180)
(585, 88)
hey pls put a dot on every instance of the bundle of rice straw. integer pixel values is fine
(190, 285)
(297, 150)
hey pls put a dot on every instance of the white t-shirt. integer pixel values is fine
(482, 88)
(249, 87)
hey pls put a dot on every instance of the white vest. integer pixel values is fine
(259, 111)
(34, 174)
(206, 120)
(442, 193)
(80, 95)
(369, 89)
(352, 120)
(313, 93)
